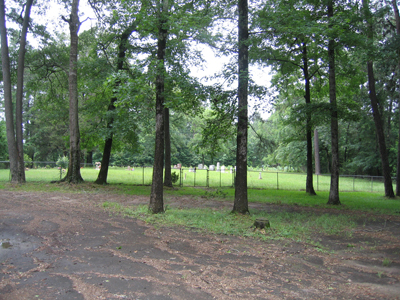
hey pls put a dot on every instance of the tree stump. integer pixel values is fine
(261, 223)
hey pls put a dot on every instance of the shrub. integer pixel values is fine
(62, 162)
(174, 177)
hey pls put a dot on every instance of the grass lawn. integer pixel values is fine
(204, 178)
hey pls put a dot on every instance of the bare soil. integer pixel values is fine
(66, 246)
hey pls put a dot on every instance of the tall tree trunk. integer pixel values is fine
(74, 167)
(309, 180)
(241, 201)
(375, 110)
(156, 196)
(167, 134)
(20, 93)
(105, 160)
(316, 153)
(334, 188)
(8, 106)
(397, 18)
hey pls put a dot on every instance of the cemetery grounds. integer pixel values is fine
(89, 242)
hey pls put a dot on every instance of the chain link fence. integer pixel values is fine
(191, 177)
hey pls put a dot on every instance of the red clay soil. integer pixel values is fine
(66, 246)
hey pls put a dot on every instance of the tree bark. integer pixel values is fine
(241, 200)
(380, 132)
(8, 106)
(105, 160)
(397, 18)
(316, 153)
(309, 179)
(375, 110)
(334, 188)
(74, 167)
(20, 93)
(156, 196)
(167, 136)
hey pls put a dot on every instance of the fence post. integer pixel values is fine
(220, 183)
(317, 182)
(194, 177)
(277, 181)
(208, 178)
(143, 175)
(354, 179)
(372, 184)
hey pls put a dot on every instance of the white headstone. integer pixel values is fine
(218, 166)
(200, 166)
(223, 169)
(212, 168)
(259, 177)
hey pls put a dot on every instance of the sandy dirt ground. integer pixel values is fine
(66, 246)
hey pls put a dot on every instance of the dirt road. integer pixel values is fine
(65, 246)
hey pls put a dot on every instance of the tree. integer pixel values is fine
(375, 105)
(122, 48)
(334, 187)
(167, 140)
(241, 201)
(309, 179)
(156, 196)
(289, 39)
(397, 20)
(14, 138)
(20, 94)
(74, 167)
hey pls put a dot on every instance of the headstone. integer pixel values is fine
(231, 170)
(259, 177)
(190, 169)
(175, 167)
(179, 166)
(223, 169)
(218, 166)
(212, 168)
(200, 166)
(205, 167)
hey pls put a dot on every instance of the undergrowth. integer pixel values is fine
(298, 226)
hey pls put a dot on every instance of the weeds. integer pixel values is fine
(386, 262)
(218, 193)
(284, 225)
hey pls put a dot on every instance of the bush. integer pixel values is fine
(174, 177)
(62, 162)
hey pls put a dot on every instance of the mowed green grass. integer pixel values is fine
(256, 180)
